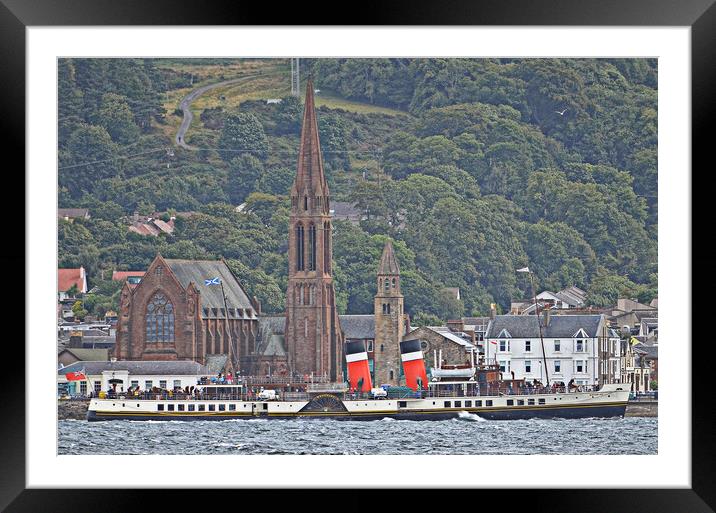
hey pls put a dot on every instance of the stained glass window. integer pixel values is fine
(160, 319)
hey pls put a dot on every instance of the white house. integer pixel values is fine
(145, 374)
(571, 347)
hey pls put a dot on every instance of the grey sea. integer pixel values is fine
(467, 435)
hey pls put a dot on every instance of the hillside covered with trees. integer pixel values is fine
(473, 167)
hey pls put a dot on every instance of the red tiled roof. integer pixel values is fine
(68, 277)
(123, 275)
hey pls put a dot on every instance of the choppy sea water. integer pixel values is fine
(467, 435)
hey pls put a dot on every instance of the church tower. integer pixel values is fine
(313, 334)
(390, 322)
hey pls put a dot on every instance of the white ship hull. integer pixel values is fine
(610, 401)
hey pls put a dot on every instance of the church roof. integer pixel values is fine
(358, 326)
(196, 271)
(388, 262)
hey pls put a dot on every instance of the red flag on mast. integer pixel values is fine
(76, 376)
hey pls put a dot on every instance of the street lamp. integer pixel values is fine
(539, 322)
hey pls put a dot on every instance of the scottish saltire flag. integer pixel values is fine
(213, 281)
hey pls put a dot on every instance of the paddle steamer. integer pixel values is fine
(451, 392)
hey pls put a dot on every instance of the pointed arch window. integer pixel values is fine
(160, 319)
(299, 248)
(312, 247)
(326, 247)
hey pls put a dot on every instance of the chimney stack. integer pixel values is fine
(546, 316)
(493, 310)
(76, 339)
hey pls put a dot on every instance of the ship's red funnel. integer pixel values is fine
(413, 364)
(358, 370)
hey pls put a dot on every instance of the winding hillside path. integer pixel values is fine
(185, 106)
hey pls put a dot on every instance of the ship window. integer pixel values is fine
(458, 404)
(212, 407)
(447, 404)
(510, 402)
(180, 407)
(520, 402)
(468, 404)
(488, 402)
(478, 403)
(402, 404)
(541, 401)
(530, 402)
(170, 407)
(202, 407)
(222, 407)
(192, 407)
(232, 407)
(160, 407)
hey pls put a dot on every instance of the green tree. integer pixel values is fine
(242, 135)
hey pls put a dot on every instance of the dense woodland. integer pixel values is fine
(482, 166)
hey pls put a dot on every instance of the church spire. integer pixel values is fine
(310, 178)
(388, 262)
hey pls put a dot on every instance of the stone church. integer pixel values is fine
(176, 313)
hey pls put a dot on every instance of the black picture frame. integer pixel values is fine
(16, 15)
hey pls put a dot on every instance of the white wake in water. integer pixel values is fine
(463, 415)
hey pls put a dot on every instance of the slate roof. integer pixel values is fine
(88, 354)
(358, 326)
(560, 326)
(72, 212)
(149, 368)
(270, 339)
(196, 271)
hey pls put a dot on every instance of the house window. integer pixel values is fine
(83, 387)
(579, 346)
(504, 346)
(503, 366)
(134, 384)
(160, 319)
(177, 383)
(557, 346)
(579, 366)
(528, 346)
(557, 366)
(528, 366)
(162, 383)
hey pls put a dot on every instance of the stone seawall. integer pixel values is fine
(72, 409)
(642, 409)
